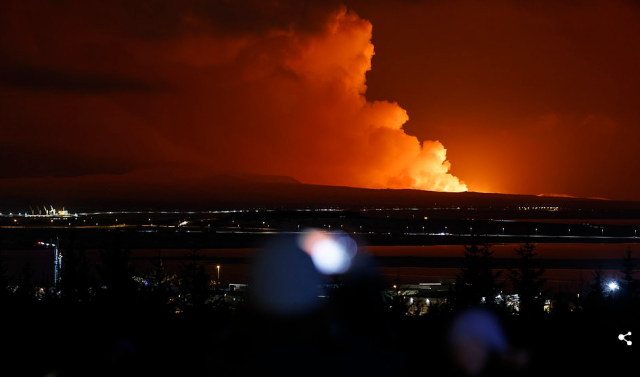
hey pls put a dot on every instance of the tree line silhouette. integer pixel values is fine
(479, 283)
(113, 282)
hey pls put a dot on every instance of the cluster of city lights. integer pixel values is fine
(553, 209)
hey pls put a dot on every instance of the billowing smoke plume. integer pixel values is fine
(220, 86)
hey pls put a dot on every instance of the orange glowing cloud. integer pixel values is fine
(304, 113)
(212, 86)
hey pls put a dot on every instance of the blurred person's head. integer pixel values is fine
(478, 345)
(475, 338)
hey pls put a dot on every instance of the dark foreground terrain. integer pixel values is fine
(341, 339)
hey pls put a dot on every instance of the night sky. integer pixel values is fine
(502, 96)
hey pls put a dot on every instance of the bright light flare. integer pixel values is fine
(613, 286)
(331, 253)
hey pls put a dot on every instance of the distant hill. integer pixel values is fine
(306, 195)
(156, 191)
(240, 179)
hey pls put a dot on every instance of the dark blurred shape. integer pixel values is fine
(479, 346)
(122, 351)
(284, 279)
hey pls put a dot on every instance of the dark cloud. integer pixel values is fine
(19, 162)
(259, 17)
(47, 79)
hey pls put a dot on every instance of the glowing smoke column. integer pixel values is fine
(367, 145)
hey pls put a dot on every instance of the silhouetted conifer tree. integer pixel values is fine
(629, 285)
(158, 288)
(527, 280)
(596, 295)
(477, 283)
(194, 281)
(116, 274)
(75, 276)
(628, 299)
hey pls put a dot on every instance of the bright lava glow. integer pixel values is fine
(331, 253)
(613, 286)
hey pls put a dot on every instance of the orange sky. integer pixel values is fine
(528, 97)
(439, 95)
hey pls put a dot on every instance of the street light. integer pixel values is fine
(57, 259)
(218, 268)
